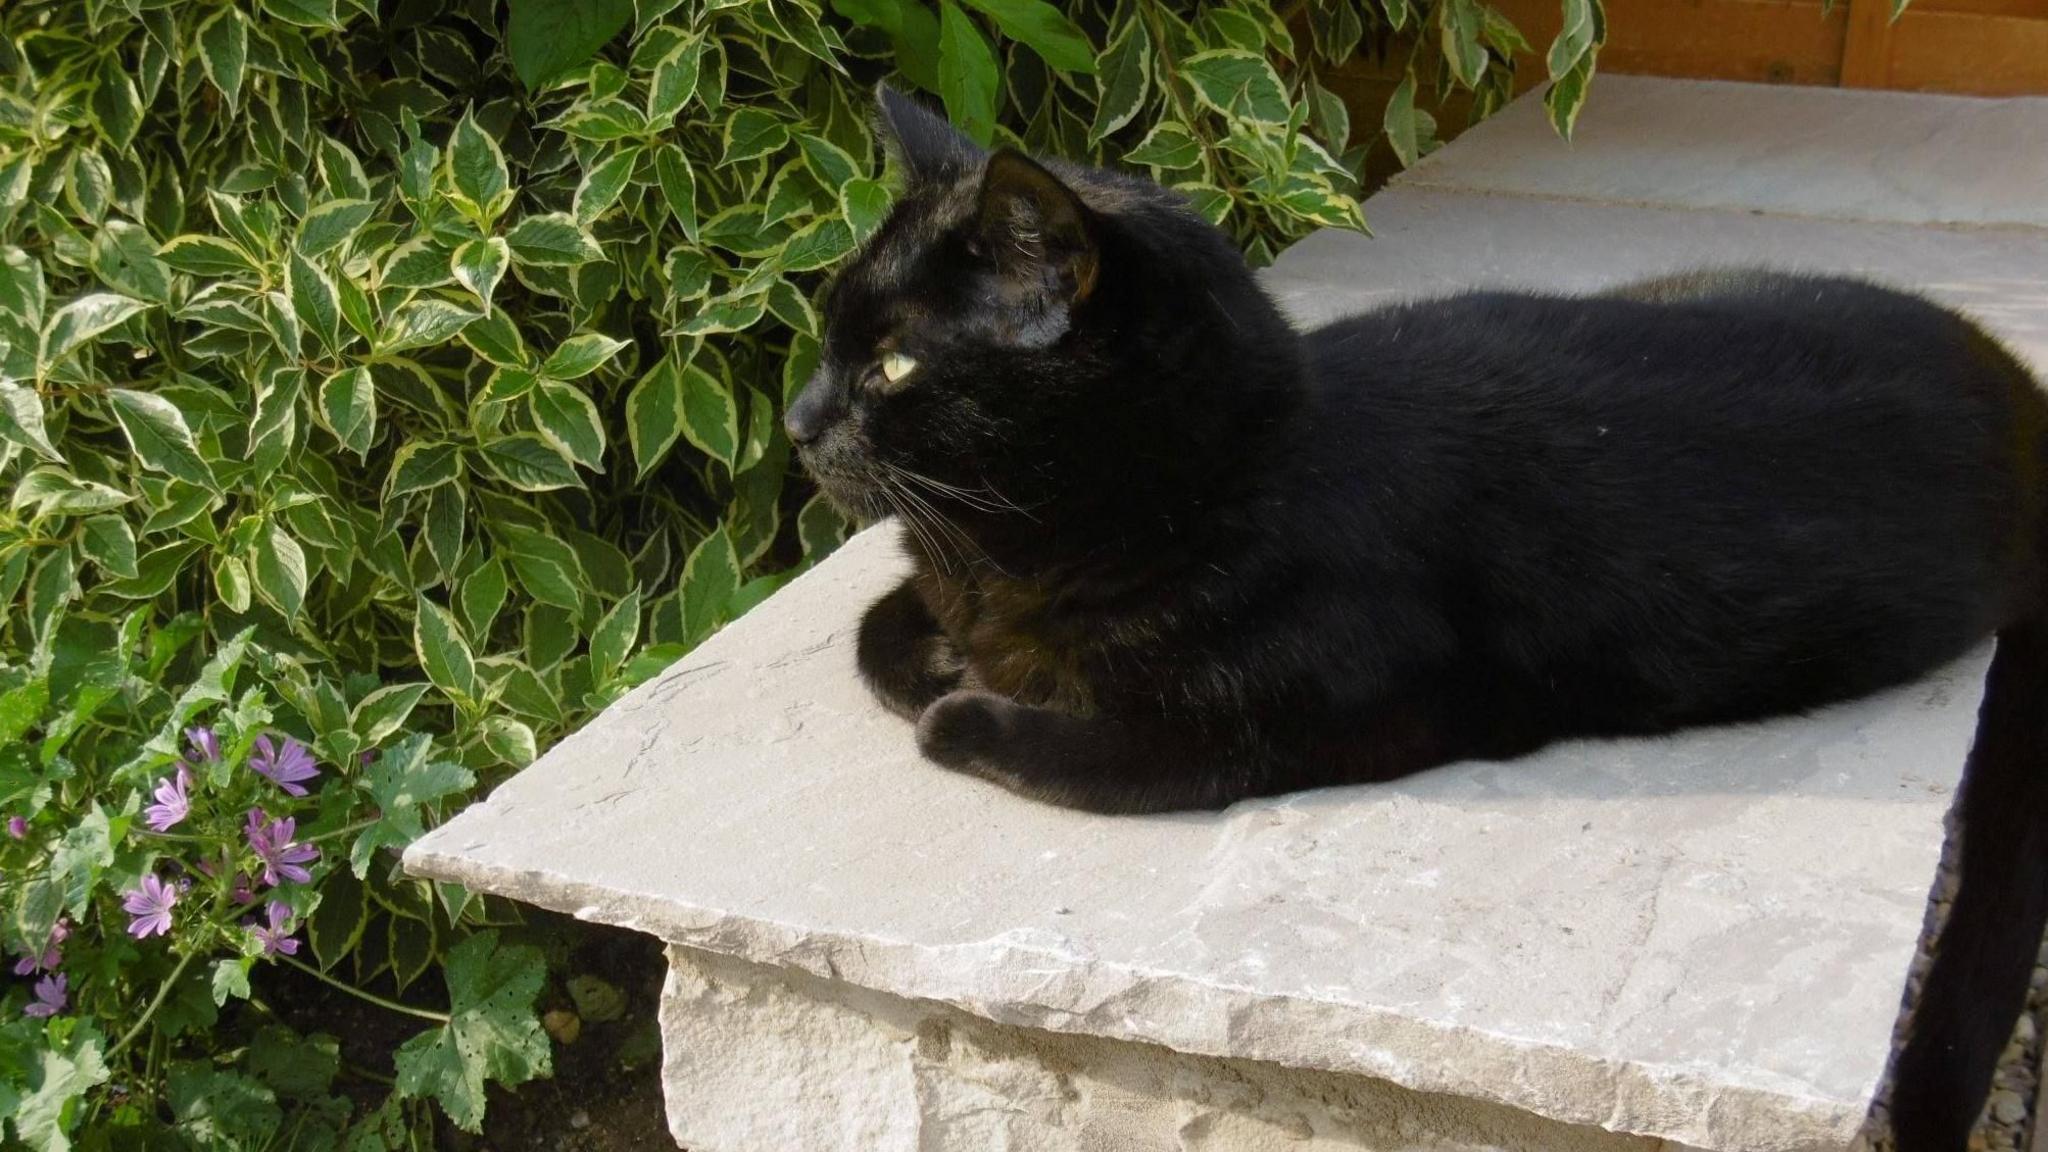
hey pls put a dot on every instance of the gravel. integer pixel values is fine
(2008, 1121)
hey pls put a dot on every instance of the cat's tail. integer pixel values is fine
(1985, 954)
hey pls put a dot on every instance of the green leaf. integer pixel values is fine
(219, 1109)
(206, 256)
(21, 420)
(1461, 25)
(654, 414)
(827, 161)
(1123, 77)
(116, 105)
(510, 740)
(967, 73)
(108, 542)
(603, 183)
(159, 435)
(675, 80)
(553, 238)
(752, 132)
(1167, 145)
(711, 576)
(224, 49)
(231, 582)
(280, 570)
(420, 465)
(492, 1033)
(1410, 131)
(231, 980)
(568, 420)
(678, 187)
(314, 300)
(444, 654)
(84, 318)
(1040, 27)
(348, 401)
(483, 594)
(711, 418)
(496, 338)
(613, 637)
(1239, 84)
(378, 716)
(476, 167)
(528, 463)
(423, 323)
(1207, 199)
(305, 13)
(580, 356)
(865, 204)
(1571, 61)
(480, 264)
(547, 568)
(55, 1083)
(726, 314)
(546, 38)
(332, 224)
(816, 245)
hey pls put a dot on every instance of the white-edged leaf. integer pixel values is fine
(444, 655)
(159, 435)
(479, 264)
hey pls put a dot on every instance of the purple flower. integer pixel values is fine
(276, 938)
(17, 827)
(271, 840)
(285, 766)
(52, 955)
(205, 744)
(173, 801)
(51, 995)
(150, 907)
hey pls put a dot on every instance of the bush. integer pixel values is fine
(384, 391)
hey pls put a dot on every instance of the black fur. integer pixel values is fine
(1171, 553)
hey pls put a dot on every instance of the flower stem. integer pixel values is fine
(367, 996)
(149, 1013)
(332, 833)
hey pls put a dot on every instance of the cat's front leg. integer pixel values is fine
(904, 656)
(1095, 763)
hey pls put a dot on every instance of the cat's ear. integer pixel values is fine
(931, 149)
(1035, 228)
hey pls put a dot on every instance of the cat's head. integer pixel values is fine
(1022, 334)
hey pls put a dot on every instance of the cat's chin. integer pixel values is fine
(861, 503)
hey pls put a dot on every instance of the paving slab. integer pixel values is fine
(1700, 941)
(1829, 152)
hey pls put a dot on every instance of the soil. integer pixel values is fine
(605, 1094)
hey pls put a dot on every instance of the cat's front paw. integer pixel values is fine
(964, 730)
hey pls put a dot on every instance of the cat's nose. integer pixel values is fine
(814, 411)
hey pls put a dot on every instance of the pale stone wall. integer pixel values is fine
(763, 1058)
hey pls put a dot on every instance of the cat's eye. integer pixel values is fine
(896, 367)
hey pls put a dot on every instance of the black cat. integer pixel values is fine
(1171, 553)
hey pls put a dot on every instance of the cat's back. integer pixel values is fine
(1742, 352)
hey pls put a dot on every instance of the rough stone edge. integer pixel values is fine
(1555, 1082)
(921, 1068)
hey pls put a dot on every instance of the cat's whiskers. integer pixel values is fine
(984, 499)
(935, 527)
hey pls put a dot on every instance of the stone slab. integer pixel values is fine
(1702, 939)
(1429, 242)
(763, 1057)
(1828, 152)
